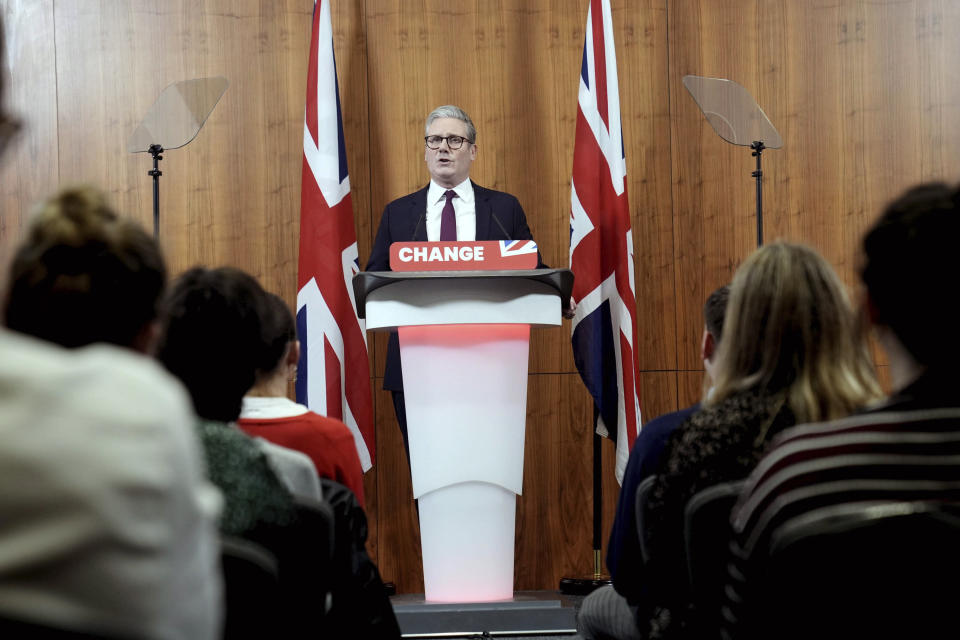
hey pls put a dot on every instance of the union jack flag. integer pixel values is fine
(517, 247)
(333, 376)
(601, 244)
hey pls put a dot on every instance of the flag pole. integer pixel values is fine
(583, 585)
(597, 507)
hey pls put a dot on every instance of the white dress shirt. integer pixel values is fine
(464, 206)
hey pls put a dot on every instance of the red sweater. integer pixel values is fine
(328, 442)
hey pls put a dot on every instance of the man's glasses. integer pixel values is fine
(454, 142)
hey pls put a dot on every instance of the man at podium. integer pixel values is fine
(450, 207)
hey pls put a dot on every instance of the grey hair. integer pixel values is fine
(451, 111)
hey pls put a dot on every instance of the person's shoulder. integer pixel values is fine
(39, 363)
(726, 430)
(409, 198)
(101, 386)
(133, 372)
(667, 422)
(807, 455)
(282, 454)
(294, 468)
(921, 429)
(742, 407)
(97, 429)
(95, 409)
(716, 416)
(224, 444)
(331, 427)
(491, 194)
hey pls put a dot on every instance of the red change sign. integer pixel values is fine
(486, 255)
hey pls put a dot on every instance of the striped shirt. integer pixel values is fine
(906, 450)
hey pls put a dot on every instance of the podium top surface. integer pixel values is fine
(365, 282)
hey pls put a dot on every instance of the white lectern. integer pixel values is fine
(464, 343)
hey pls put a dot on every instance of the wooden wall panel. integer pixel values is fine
(713, 194)
(232, 195)
(865, 97)
(106, 80)
(29, 165)
(641, 30)
(552, 513)
(689, 387)
(865, 94)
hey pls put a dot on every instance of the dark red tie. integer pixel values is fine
(448, 220)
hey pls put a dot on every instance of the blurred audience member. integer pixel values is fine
(85, 275)
(213, 332)
(616, 605)
(791, 351)
(215, 324)
(903, 450)
(212, 329)
(108, 524)
(268, 413)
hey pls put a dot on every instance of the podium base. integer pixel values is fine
(527, 613)
(584, 585)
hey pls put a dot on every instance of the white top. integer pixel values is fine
(464, 206)
(260, 408)
(108, 521)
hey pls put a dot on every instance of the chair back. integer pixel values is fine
(361, 607)
(871, 570)
(706, 539)
(251, 588)
(305, 575)
(642, 495)
(308, 572)
(24, 630)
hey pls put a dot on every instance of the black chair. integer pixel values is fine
(24, 630)
(706, 539)
(870, 570)
(251, 588)
(361, 607)
(640, 506)
(305, 576)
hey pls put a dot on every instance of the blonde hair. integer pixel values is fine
(790, 330)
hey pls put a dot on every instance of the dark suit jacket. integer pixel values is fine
(499, 217)
(623, 550)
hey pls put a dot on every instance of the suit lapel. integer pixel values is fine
(418, 215)
(481, 204)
